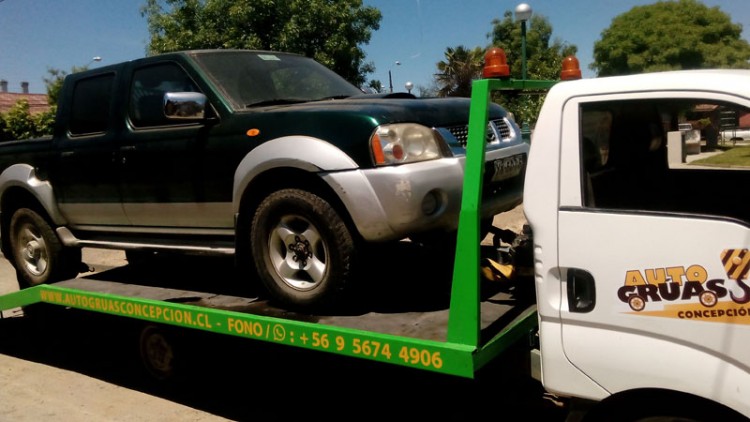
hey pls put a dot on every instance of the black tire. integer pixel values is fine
(303, 250)
(662, 407)
(37, 254)
(159, 353)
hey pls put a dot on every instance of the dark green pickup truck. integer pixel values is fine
(265, 156)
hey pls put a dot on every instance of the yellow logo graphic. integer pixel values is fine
(690, 293)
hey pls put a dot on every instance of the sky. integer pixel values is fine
(36, 35)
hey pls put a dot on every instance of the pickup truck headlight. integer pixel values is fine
(401, 143)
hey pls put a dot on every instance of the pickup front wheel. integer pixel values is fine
(38, 255)
(302, 248)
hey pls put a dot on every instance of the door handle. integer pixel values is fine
(581, 291)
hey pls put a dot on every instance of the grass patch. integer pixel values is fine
(738, 156)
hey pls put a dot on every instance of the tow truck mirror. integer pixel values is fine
(185, 105)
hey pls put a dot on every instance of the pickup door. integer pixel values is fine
(86, 177)
(653, 248)
(163, 174)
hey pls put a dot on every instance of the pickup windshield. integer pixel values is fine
(256, 79)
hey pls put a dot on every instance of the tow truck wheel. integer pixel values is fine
(38, 255)
(158, 353)
(660, 406)
(303, 250)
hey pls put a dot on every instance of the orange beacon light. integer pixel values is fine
(495, 64)
(571, 69)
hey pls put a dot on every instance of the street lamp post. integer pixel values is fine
(94, 59)
(409, 86)
(523, 13)
(390, 78)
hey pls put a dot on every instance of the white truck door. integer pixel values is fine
(653, 246)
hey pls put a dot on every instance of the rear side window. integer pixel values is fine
(92, 100)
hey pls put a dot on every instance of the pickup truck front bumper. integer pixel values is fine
(392, 203)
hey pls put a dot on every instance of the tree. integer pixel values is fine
(668, 35)
(460, 67)
(18, 122)
(544, 55)
(430, 90)
(330, 31)
(375, 85)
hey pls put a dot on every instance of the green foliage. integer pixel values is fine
(4, 134)
(544, 55)
(376, 85)
(460, 67)
(669, 35)
(18, 122)
(44, 122)
(54, 83)
(329, 31)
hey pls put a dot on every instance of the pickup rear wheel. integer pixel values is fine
(302, 248)
(38, 255)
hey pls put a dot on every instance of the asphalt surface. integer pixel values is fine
(51, 371)
(60, 364)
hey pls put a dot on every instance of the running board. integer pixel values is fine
(218, 248)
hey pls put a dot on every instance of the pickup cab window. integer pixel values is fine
(147, 93)
(664, 155)
(91, 103)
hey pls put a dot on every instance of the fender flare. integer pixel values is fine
(25, 177)
(301, 152)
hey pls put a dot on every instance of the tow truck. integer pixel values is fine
(571, 287)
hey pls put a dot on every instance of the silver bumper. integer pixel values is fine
(391, 203)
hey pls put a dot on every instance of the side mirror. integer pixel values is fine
(185, 105)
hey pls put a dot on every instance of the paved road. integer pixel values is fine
(43, 378)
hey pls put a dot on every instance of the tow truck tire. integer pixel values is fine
(158, 353)
(38, 255)
(302, 249)
(662, 407)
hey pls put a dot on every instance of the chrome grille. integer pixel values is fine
(494, 128)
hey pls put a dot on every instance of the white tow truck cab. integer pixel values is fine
(641, 249)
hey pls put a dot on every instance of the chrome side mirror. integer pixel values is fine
(185, 105)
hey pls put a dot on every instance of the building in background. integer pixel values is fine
(37, 102)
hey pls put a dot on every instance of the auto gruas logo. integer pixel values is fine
(689, 293)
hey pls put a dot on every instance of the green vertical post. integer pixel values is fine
(464, 318)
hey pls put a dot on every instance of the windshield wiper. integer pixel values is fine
(275, 101)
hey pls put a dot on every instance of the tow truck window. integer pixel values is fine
(665, 155)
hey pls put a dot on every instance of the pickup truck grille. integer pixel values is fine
(497, 130)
